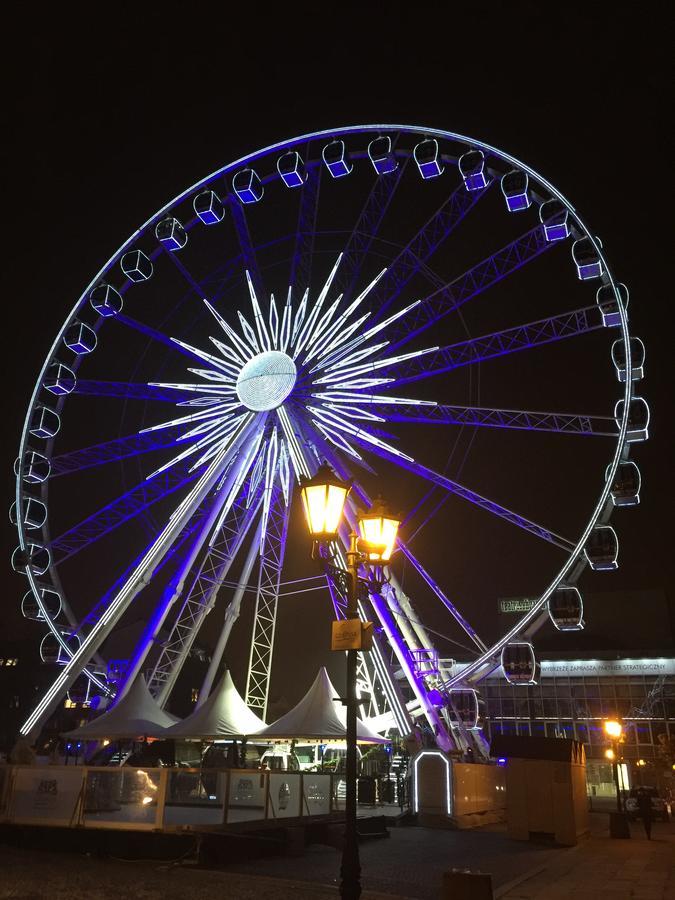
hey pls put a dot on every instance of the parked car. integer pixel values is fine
(660, 806)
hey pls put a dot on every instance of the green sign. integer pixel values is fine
(516, 604)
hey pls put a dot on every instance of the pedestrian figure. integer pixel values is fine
(644, 802)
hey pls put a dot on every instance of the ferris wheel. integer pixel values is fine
(333, 297)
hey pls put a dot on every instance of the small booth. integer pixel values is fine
(545, 787)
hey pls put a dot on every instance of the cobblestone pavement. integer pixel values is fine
(409, 864)
(635, 869)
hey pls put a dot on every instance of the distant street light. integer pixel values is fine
(618, 827)
(323, 498)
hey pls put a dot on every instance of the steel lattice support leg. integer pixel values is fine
(264, 623)
(201, 598)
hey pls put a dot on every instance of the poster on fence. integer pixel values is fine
(47, 795)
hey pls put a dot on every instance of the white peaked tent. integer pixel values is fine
(223, 715)
(137, 715)
(316, 717)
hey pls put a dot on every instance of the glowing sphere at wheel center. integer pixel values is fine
(266, 380)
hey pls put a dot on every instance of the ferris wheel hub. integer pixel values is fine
(266, 380)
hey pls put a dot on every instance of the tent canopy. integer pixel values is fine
(317, 717)
(136, 715)
(224, 714)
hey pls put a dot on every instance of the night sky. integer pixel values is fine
(106, 123)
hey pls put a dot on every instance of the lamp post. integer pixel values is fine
(618, 824)
(323, 498)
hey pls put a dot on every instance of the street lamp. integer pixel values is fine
(618, 826)
(323, 498)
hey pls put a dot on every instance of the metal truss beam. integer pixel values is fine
(564, 423)
(201, 597)
(465, 493)
(365, 230)
(473, 282)
(500, 343)
(115, 450)
(138, 579)
(126, 390)
(265, 615)
(411, 259)
(155, 335)
(122, 509)
(449, 605)
(248, 254)
(301, 262)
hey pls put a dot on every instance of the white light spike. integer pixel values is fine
(270, 473)
(211, 412)
(297, 459)
(248, 332)
(328, 352)
(235, 360)
(209, 425)
(285, 335)
(236, 340)
(274, 322)
(212, 375)
(256, 475)
(322, 324)
(307, 331)
(349, 397)
(336, 438)
(362, 382)
(348, 428)
(258, 316)
(191, 387)
(284, 474)
(231, 426)
(371, 332)
(247, 458)
(374, 366)
(300, 316)
(200, 401)
(353, 358)
(353, 412)
(202, 354)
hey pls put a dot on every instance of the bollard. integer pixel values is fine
(463, 884)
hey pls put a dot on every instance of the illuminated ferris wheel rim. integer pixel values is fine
(478, 667)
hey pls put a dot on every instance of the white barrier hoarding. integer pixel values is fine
(47, 796)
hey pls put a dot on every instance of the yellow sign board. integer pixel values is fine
(352, 634)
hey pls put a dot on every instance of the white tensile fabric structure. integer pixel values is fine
(137, 715)
(224, 714)
(317, 717)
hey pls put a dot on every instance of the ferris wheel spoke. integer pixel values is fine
(500, 343)
(303, 251)
(226, 540)
(248, 253)
(124, 508)
(126, 390)
(156, 335)
(141, 575)
(449, 605)
(386, 451)
(422, 247)
(367, 227)
(272, 551)
(603, 426)
(470, 284)
(92, 617)
(115, 450)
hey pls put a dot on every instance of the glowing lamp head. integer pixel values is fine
(323, 498)
(613, 729)
(379, 528)
(609, 754)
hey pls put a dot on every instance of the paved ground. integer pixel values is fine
(409, 864)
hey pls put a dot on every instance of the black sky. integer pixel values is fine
(110, 112)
